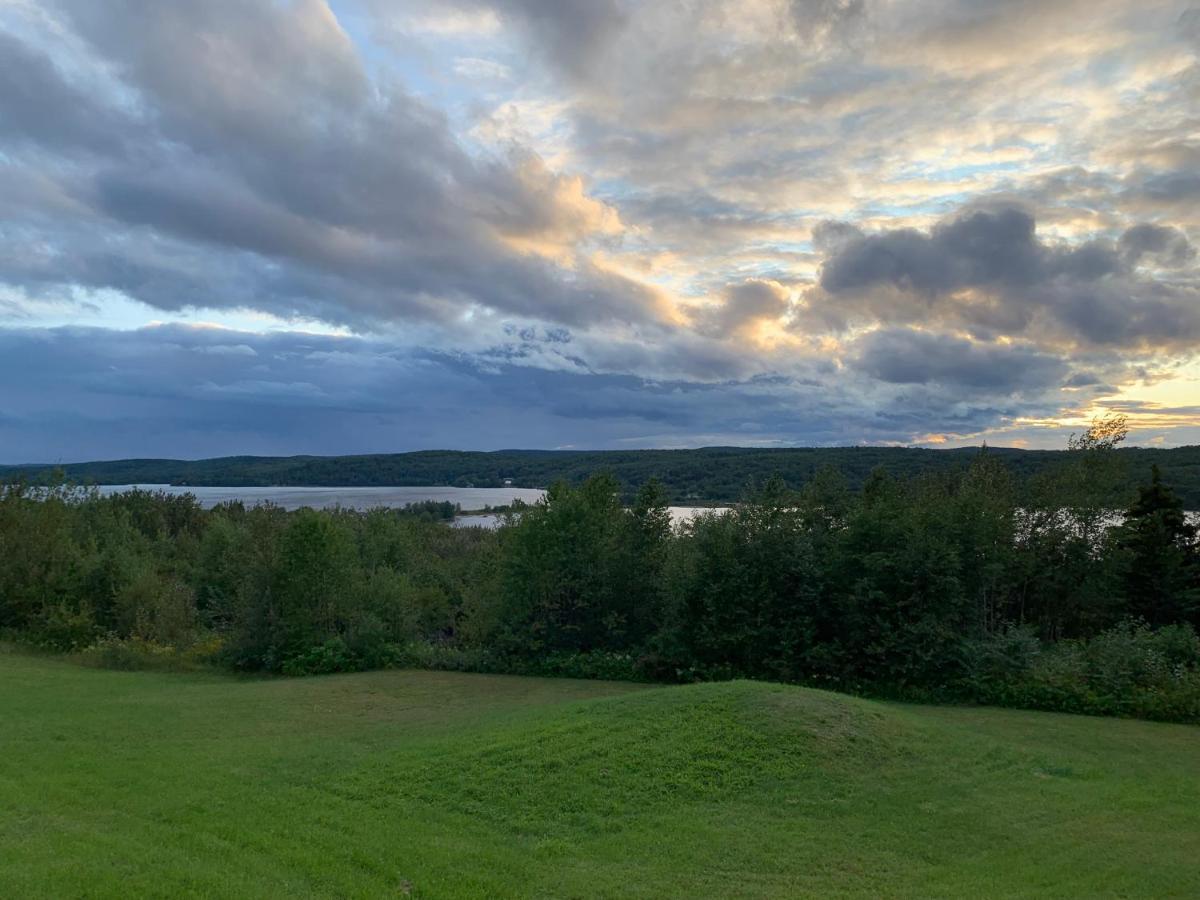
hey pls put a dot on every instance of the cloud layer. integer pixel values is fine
(617, 223)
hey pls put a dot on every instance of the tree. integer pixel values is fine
(1105, 433)
(901, 603)
(650, 540)
(570, 579)
(1162, 569)
(744, 590)
(1068, 583)
(984, 516)
(311, 587)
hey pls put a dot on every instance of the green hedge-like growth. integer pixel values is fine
(946, 586)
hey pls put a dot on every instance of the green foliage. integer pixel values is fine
(41, 561)
(745, 590)
(1128, 670)
(950, 584)
(135, 654)
(1162, 557)
(334, 655)
(579, 572)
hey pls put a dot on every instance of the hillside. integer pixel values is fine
(446, 785)
(712, 474)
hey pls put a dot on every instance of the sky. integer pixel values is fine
(361, 226)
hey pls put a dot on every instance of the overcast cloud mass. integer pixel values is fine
(244, 226)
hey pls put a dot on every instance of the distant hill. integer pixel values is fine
(706, 475)
(714, 474)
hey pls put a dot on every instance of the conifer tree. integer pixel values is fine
(1162, 574)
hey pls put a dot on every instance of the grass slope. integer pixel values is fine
(446, 785)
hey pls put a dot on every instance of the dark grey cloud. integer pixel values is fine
(1169, 188)
(830, 235)
(192, 392)
(906, 356)
(38, 105)
(978, 248)
(1164, 244)
(1082, 379)
(572, 33)
(987, 271)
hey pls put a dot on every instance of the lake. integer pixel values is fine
(368, 498)
(679, 514)
(348, 497)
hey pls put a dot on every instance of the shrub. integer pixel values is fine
(1129, 670)
(448, 658)
(599, 665)
(134, 654)
(998, 659)
(332, 656)
(60, 627)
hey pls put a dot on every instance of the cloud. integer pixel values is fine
(987, 271)
(620, 223)
(978, 248)
(89, 393)
(906, 356)
(743, 305)
(1164, 244)
(572, 33)
(38, 105)
(1170, 187)
(269, 171)
(822, 21)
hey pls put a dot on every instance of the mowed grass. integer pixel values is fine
(445, 785)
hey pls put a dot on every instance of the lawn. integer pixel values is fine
(429, 784)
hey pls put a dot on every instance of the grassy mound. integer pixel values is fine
(449, 785)
(596, 766)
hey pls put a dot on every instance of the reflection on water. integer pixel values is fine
(679, 514)
(347, 497)
(373, 497)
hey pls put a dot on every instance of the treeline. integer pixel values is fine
(950, 585)
(713, 474)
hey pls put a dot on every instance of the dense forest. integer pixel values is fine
(945, 585)
(709, 475)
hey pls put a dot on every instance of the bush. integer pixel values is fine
(598, 665)
(59, 627)
(332, 656)
(998, 659)
(1130, 670)
(134, 654)
(447, 658)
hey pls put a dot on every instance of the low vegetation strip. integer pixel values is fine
(435, 785)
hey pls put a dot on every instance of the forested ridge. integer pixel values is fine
(706, 475)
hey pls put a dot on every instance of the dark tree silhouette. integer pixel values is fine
(1162, 575)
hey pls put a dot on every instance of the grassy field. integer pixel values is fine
(444, 785)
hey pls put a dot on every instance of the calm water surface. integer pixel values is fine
(679, 514)
(348, 497)
(373, 497)
(369, 498)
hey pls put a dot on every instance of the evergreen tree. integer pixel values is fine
(1162, 574)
